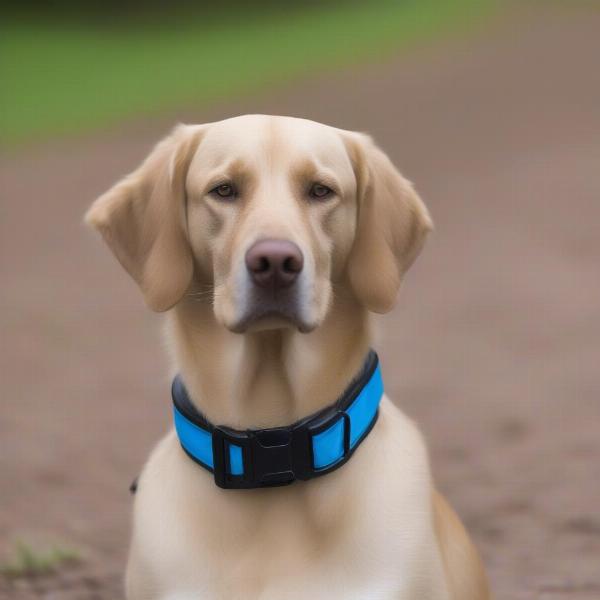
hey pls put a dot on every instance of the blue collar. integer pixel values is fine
(311, 447)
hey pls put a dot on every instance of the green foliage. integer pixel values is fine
(28, 561)
(63, 77)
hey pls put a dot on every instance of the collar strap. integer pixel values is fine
(311, 447)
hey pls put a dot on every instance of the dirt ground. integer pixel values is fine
(494, 348)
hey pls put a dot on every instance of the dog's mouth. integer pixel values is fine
(264, 315)
(270, 319)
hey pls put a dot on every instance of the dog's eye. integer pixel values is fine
(224, 190)
(320, 191)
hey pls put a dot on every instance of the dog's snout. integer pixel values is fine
(274, 263)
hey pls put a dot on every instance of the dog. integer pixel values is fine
(268, 241)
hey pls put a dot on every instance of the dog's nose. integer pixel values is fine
(274, 263)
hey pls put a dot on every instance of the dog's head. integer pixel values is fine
(268, 218)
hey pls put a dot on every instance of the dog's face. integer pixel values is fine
(271, 215)
(265, 217)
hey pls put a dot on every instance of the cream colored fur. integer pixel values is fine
(374, 529)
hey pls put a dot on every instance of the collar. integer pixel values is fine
(311, 447)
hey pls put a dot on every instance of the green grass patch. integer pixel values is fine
(62, 79)
(30, 562)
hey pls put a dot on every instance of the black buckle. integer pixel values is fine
(271, 457)
(274, 457)
(324, 425)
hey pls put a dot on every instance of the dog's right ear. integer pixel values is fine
(142, 219)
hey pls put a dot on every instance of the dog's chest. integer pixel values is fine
(297, 560)
(288, 553)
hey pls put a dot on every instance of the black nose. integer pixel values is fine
(274, 263)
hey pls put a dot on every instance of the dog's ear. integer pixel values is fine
(142, 219)
(392, 225)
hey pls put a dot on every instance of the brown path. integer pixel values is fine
(494, 349)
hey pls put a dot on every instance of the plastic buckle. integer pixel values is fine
(222, 438)
(270, 457)
(346, 418)
(326, 424)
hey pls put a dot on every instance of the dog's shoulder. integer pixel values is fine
(464, 570)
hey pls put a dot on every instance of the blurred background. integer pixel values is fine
(491, 107)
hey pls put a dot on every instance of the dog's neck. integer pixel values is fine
(269, 378)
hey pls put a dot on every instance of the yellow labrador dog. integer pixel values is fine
(289, 474)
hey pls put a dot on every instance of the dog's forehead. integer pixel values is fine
(261, 140)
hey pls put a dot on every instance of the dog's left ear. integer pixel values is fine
(392, 225)
(142, 219)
